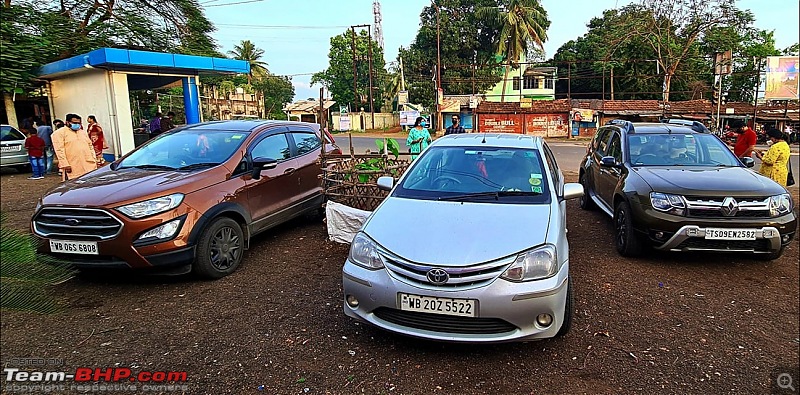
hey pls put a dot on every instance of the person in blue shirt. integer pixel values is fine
(418, 138)
(44, 132)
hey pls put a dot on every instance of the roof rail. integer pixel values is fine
(694, 125)
(626, 125)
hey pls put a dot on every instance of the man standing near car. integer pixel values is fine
(455, 128)
(745, 140)
(73, 149)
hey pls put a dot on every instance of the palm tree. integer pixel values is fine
(246, 50)
(522, 23)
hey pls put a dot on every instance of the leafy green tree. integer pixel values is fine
(338, 77)
(523, 23)
(277, 92)
(468, 45)
(247, 51)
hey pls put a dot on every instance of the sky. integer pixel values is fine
(295, 35)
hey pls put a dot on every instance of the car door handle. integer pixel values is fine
(289, 170)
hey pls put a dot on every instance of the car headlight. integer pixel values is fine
(152, 206)
(535, 264)
(780, 205)
(673, 204)
(364, 252)
(163, 231)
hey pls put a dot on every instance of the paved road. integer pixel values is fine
(568, 154)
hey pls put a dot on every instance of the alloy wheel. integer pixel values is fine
(225, 248)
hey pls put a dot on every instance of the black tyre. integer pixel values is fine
(568, 311)
(627, 241)
(586, 201)
(220, 249)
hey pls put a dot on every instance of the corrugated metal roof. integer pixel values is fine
(307, 106)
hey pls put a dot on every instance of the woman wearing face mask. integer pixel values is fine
(418, 138)
(775, 162)
(73, 149)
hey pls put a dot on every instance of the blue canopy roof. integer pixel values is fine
(145, 62)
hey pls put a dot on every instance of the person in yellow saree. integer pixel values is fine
(775, 162)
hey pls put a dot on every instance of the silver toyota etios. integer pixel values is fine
(470, 246)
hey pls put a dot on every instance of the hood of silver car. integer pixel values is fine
(456, 233)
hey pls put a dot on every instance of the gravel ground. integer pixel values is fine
(666, 323)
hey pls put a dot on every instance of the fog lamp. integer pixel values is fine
(786, 238)
(352, 301)
(544, 319)
(659, 235)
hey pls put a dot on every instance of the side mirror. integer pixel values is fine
(260, 164)
(385, 183)
(609, 161)
(748, 161)
(573, 190)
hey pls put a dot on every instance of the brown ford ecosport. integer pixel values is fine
(188, 200)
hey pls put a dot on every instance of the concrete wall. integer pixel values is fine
(363, 121)
(100, 93)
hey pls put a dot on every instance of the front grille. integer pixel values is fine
(727, 207)
(737, 245)
(76, 223)
(444, 323)
(716, 213)
(462, 277)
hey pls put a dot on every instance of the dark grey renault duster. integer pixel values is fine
(675, 187)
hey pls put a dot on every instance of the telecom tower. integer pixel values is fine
(376, 10)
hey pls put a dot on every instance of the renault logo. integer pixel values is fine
(729, 207)
(438, 276)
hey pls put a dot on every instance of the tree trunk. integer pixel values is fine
(505, 81)
(11, 110)
(667, 81)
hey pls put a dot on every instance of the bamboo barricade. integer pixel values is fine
(351, 179)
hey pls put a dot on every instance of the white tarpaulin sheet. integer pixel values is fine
(344, 221)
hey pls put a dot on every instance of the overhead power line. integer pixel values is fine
(308, 27)
(234, 3)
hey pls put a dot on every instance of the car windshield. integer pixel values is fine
(480, 174)
(186, 150)
(7, 133)
(679, 150)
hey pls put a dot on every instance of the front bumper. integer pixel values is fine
(172, 256)
(675, 233)
(506, 311)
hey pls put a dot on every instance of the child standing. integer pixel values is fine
(35, 146)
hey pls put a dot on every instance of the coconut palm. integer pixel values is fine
(521, 23)
(248, 51)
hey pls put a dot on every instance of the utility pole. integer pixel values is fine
(758, 85)
(569, 80)
(612, 82)
(438, 71)
(323, 122)
(371, 103)
(355, 69)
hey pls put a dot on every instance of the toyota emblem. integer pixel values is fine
(438, 276)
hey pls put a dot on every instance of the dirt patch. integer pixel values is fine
(667, 323)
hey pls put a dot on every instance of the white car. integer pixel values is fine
(469, 246)
(12, 149)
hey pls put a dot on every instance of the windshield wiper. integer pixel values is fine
(147, 167)
(195, 166)
(491, 194)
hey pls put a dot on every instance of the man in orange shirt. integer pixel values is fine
(745, 141)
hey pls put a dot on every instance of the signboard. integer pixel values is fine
(729, 110)
(525, 102)
(344, 122)
(473, 102)
(407, 118)
(402, 97)
(782, 78)
(547, 125)
(451, 105)
(500, 123)
(723, 63)
(582, 115)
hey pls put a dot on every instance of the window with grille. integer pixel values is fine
(516, 84)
